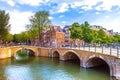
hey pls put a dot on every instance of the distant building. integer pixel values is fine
(96, 27)
(67, 35)
(53, 37)
(108, 32)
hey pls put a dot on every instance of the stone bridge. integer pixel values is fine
(14, 49)
(87, 59)
(11, 51)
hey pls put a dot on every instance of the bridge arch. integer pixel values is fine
(94, 60)
(18, 49)
(70, 55)
(56, 54)
(100, 62)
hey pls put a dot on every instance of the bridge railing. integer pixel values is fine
(102, 49)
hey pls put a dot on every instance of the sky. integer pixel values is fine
(105, 13)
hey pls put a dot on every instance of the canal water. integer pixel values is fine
(43, 68)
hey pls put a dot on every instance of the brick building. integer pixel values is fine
(53, 37)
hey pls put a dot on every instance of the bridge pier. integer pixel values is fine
(82, 63)
(116, 69)
(62, 58)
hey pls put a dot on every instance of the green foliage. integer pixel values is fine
(76, 31)
(32, 32)
(101, 36)
(4, 24)
(116, 38)
(8, 37)
(22, 37)
(87, 36)
(38, 22)
(83, 32)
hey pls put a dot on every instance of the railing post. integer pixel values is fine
(79, 46)
(89, 47)
(117, 52)
(84, 47)
(102, 48)
(95, 48)
(110, 50)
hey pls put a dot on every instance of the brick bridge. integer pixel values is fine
(11, 51)
(87, 59)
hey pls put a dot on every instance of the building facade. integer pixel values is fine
(108, 32)
(67, 35)
(53, 37)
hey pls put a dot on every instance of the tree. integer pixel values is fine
(86, 32)
(101, 36)
(39, 21)
(76, 31)
(116, 38)
(8, 37)
(94, 35)
(21, 37)
(4, 24)
(31, 32)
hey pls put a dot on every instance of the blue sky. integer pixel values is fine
(64, 12)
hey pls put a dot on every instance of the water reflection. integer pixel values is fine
(18, 73)
(41, 68)
(24, 54)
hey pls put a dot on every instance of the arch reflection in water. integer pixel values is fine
(24, 54)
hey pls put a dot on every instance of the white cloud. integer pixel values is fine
(97, 13)
(107, 5)
(86, 8)
(10, 2)
(61, 16)
(76, 4)
(64, 22)
(107, 16)
(115, 25)
(27, 2)
(50, 17)
(108, 23)
(88, 4)
(63, 7)
(81, 12)
(18, 20)
(30, 2)
(118, 12)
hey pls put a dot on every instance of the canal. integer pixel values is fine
(43, 68)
